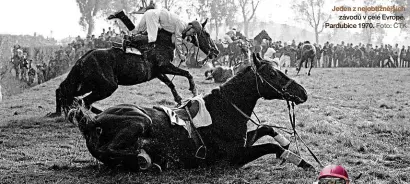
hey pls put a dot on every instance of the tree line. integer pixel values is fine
(225, 12)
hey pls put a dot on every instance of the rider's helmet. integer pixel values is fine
(333, 174)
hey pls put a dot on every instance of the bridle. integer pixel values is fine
(281, 91)
(195, 35)
(290, 105)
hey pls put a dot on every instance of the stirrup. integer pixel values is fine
(144, 160)
(201, 152)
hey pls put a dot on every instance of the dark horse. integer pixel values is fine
(100, 71)
(306, 52)
(238, 50)
(119, 134)
(235, 51)
(257, 41)
(262, 35)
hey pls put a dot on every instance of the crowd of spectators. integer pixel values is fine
(41, 65)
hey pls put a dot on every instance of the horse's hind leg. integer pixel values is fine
(173, 70)
(300, 66)
(311, 66)
(58, 105)
(165, 79)
(245, 155)
(306, 63)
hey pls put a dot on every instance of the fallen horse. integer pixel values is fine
(137, 137)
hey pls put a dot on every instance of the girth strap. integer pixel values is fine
(201, 151)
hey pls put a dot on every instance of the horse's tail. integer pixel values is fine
(81, 117)
(208, 74)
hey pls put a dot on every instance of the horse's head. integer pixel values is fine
(273, 84)
(201, 38)
(262, 35)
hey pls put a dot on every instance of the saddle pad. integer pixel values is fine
(131, 50)
(175, 120)
(201, 119)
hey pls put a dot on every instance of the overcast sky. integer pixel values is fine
(62, 16)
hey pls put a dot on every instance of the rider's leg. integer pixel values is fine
(134, 41)
(124, 18)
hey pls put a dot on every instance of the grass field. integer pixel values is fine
(359, 118)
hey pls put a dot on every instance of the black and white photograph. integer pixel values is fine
(205, 91)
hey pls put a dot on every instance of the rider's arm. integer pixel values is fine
(178, 38)
(142, 25)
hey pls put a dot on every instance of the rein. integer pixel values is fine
(180, 60)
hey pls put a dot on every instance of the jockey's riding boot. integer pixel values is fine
(124, 18)
(138, 40)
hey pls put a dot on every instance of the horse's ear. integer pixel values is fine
(204, 23)
(256, 60)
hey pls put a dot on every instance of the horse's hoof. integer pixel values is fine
(178, 101)
(156, 168)
(308, 74)
(286, 147)
(178, 105)
(194, 92)
(53, 114)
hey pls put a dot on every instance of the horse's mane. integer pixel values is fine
(241, 73)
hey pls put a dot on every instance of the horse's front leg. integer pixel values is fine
(255, 135)
(245, 155)
(300, 66)
(173, 70)
(311, 66)
(165, 79)
(58, 105)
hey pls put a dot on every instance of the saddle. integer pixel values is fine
(135, 44)
(187, 113)
(193, 107)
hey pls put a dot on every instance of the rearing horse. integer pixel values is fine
(100, 71)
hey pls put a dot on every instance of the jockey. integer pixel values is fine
(228, 37)
(285, 58)
(237, 35)
(270, 55)
(152, 20)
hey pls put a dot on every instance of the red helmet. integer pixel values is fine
(334, 171)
